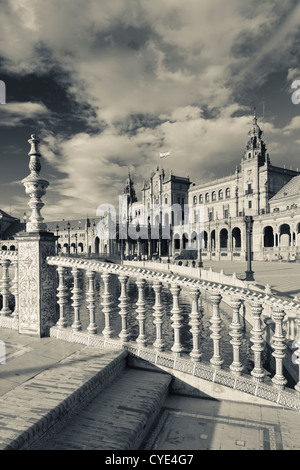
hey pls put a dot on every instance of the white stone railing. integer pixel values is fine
(177, 356)
(9, 289)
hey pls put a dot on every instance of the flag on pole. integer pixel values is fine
(164, 154)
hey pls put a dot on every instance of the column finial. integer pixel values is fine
(35, 187)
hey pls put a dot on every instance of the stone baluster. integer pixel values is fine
(125, 332)
(195, 322)
(62, 297)
(106, 303)
(257, 339)
(236, 333)
(76, 300)
(159, 343)
(278, 344)
(15, 290)
(216, 327)
(5, 287)
(141, 310)
(297, 351)
(176, 318)
(91, 299)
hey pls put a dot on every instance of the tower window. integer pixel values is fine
(249, 204)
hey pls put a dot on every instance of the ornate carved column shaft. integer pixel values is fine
(125, 332)
(91, 299)
(106, 303)
(141, 311)
(257, 339)
(76, 300)
(5, 287)
(176, 318)
(62, 296)
(195, 317)
(278, 344)
(159, 343)
(236, 333)
(216, 327)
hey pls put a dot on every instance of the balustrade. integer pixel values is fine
(279, 346)
(159, 343)
(5, 287)
(106, 303)
(176, 318)
(195, 322)
(257, 339)
(15, 289)
(76, 300)
(125, 331)
(62, 297)
(236, 333)
(91, 302)
(216, 327)
(141, 311)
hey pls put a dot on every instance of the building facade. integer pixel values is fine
(154, 227)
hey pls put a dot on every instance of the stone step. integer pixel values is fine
(119, 418)
(43, 404)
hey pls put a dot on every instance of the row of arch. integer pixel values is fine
(213, 196)
(223, 239)
(282, 236)
(6, 247)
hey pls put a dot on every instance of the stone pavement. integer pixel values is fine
(45, 378)
(283, 277)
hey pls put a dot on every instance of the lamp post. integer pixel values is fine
(249, 225)
(68, 228)
(57, 229)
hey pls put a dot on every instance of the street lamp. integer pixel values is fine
(249, 225)
(68, 228)
(57, 229)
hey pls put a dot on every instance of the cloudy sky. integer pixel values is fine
(108, 84)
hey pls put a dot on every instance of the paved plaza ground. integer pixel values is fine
(283, 277)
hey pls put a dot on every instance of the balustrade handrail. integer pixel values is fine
(210, 286)
(217, 292)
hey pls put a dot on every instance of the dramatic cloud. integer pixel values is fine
(147, 76)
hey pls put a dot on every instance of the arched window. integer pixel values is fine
(207, 197)
(227, 193)
(201, 199)
(213, 196)
(221, 194)
(195, 200)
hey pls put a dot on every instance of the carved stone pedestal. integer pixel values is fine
(36, 283)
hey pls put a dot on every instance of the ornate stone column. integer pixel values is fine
(216, 327)
(141, 311)
(278, 344)
(176, 318)
(106, 303)
(159, 343)
(236, 333)
(91, 299)
(257, 339)
(195, 322)
(76, 300)
(37, 280)
(125, 332)
(5, 287)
